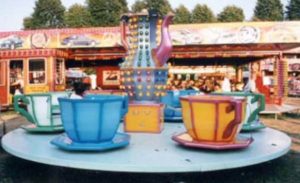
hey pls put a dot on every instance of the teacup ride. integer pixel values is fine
(42, 110)
(255, 104)
(105, 92)
(101, 95)
(91, 92)
(95, 93)
(91, 124)
(172, 111)
(213, 122)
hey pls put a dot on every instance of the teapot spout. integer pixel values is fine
(163, 52)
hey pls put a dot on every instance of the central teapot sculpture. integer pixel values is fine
(144, 72)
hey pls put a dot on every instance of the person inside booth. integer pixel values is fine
(251, 84)
(79, 90)
(226, 86)
(87, 81)
(18, 85)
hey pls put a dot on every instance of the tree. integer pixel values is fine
(293, 10)
(268, 10)
(182, 15)
(202, 13)
(27, 23)
(78, 16)
(47, 14)
(104, 12)
(124, 6)
(138, 6)
(163, 6)
(231, 14)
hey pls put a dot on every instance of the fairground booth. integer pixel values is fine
(50, 60)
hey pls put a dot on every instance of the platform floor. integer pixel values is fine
(149, 152)
(279, 109)
(273, 108)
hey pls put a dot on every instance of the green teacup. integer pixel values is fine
(255, 104)
(42, 110)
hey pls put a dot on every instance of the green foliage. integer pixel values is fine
(78, 16)
(231, 14)
(182, 15)
(124, 6)
(27, 23)
(105, 12)
(202, 14)
(138, 6)
(268, 10)
(293, 10)
(47, 14)
(163, 6)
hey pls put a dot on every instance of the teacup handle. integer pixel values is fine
(125, 104)
(237, 105)
(21, 110)
(262, 104)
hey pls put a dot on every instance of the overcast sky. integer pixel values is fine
(12, 12)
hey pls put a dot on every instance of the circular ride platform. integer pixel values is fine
(149, 152)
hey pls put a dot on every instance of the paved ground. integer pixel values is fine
(285, 169)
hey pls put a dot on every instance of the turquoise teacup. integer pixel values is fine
(101, 96)
(91, 119)
(172, 97)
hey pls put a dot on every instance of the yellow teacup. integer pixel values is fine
(209, 118)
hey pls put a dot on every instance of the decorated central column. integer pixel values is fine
(144, 72)
(146, 38)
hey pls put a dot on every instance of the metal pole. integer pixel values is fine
(3, 125)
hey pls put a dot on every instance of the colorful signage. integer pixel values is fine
(36, 89)
(188, 34)
(111, 77)
(236, 33)
(61, 38)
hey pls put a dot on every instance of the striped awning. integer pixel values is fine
(97, 54)
(4, 54)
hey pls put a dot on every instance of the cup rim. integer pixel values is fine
(113, 98)
(211, 98)
(245, 94)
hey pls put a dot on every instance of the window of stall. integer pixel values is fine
(2, 73)
(37, 71)
(15, 70)
(59, 71)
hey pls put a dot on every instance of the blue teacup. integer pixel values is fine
(101, 96)
(172, 97)
(171, 100)
(91, 119)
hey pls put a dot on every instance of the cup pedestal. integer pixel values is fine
(147, 118)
